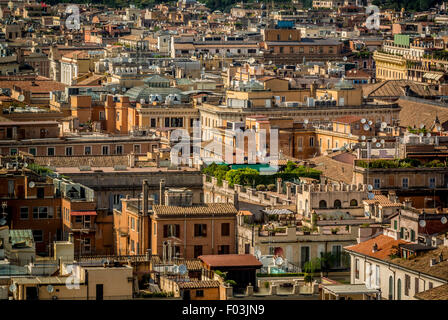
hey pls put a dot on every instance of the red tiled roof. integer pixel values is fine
(347, 119)
(230, 260)
(83, 213)
(385, 247)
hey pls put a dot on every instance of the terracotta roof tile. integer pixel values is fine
(198, 284)
(230, 260)
(385, 247)
(205, 209)
(437, 293)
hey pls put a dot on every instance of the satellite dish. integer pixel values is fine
(373, 140)
(21, 98)
(2, 221)
(382, 141)
(31, 184)
(444, 220)
(50, 288)
(370, 196)
(378, 144)
(370, 122)
(279, 261)
(428, 134)
(383, 125)
(363, 120)
(363, 137)
(345, 58)
(366, 127)
(113, 89)
(370, 187)
(305, 121)
(123, 90)
(25, 165)
(13, 287)
(182, 269)
(422, 223)
(176, 269)
(422, 126)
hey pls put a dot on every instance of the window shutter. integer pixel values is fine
(204, 230)
(165, 231)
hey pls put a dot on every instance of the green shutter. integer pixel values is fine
(395, 224)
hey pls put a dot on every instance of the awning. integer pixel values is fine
(432, 76)
(83, 213)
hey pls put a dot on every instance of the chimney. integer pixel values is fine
(162, 191)
(374, 247)
(392, 196)
(145, 196)
(408, 203)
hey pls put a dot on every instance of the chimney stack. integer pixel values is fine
(374, 247)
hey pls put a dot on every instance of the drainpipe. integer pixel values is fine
(213, 233)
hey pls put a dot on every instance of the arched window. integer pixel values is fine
(322, 204)
(353, 203)
(337, 204)
(391, 288)
(399, 289)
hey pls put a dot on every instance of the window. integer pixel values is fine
(353, 203)
(199, 293)
(401, 233)
(432, 183)
(40, 193)
(395, 224)
(197, 251)
(300, 49)
(291, 49)
(399, 289)
(153, 122)
(412, 235)
(136, 148)
(50, 151)
(377, 276)
(171, 230)
(132, 246)
(247, 248)
(224, 249)
(376, 183)
(356, 268)
(405, 183)
(38, 235)
(430, 285)
(337, 254)
(102, 117)
(299, 143)
(311, 141)
(322, 204)
(118, 116)
(304, 256)
(281, 49)
(32, 151)
(133, 224)
(24, 213)
(68, 151)
(78, 219)
(407, 284)
(417, 282)
(13, 151)
(41, 213)
(88, 150)
(225, 229)
(200, 230)
(391, 288)
(337, 204)
(105, 150)
(119, 149)
(167, 122)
